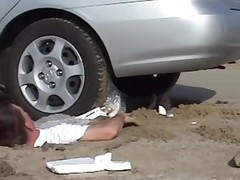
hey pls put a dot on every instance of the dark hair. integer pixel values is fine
(12, 127)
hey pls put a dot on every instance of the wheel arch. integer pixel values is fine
(15, 26)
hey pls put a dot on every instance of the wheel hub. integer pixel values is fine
(50, 74)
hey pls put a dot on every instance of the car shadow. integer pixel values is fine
(179, 94)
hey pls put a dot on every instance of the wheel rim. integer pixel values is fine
(51, 74)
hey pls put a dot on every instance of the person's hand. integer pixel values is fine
(129, 118)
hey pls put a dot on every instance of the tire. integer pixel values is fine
(55, 66)
(147, 85)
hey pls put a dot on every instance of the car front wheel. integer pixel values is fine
(56, 66)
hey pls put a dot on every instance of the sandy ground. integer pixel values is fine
(159, 147)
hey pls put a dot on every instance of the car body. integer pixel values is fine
(136, 37)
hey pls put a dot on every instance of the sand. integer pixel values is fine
(158, 148)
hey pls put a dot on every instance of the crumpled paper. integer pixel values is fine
(88, 165)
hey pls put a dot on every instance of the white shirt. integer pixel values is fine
(60, 134)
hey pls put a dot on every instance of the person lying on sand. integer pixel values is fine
(18, 128)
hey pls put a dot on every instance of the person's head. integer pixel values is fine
(12, 129)
(15, 125)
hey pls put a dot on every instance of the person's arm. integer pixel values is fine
(104, 130)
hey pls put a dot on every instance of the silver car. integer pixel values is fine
(63, 55)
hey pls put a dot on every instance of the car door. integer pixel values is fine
(6, 6)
